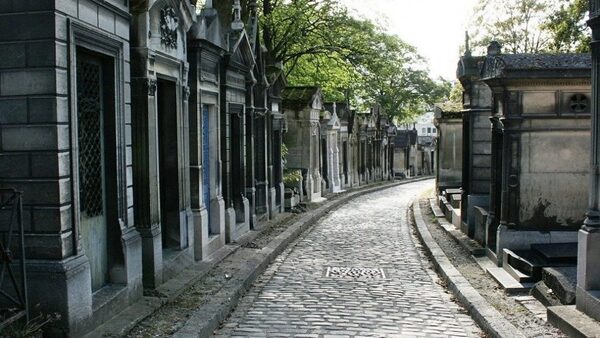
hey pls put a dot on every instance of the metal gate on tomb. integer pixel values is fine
(13, 286)
(206, 161)
(90, 130)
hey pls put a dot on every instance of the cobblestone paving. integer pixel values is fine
(297, 296)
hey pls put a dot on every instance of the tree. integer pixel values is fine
(514, 23)
(456, 93)
(295, 28)
(531, 26)
(567, 27)
(318, 42)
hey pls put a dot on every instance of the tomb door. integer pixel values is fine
(277, 162)
(324, 158)
(238, 168)
(168, 156)
(345, 160)
(206, 193)
(496, 188)
(92, 166)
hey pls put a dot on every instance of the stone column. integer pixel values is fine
(588, 252)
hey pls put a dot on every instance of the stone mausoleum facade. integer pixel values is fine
(144, 135)
(540, 147)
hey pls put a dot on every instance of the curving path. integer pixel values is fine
(357, 273)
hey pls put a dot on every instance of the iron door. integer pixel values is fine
(206, 159)
(90, 138)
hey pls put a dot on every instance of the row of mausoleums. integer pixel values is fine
(521, 183)
(144, 135)
(415, 148)
(147, 134)
(332, 146)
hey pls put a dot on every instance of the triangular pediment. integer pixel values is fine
(334, 122)
(317, 100)
(208, 28)
(242, 52)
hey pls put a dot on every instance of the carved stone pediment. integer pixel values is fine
(494, 67)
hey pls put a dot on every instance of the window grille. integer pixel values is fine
(90, 137)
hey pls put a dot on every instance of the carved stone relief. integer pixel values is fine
(168, 27)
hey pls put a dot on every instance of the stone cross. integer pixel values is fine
(467, 48)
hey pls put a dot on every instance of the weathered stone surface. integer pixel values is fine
(562, 281)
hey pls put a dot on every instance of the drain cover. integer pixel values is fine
(353, 272)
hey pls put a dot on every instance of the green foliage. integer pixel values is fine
(319, 43)
(291, 178)
(516, 24)
(567, 27)
(456, 93)
(531, 26)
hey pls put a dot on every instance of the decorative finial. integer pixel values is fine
(494, 48)
(334, 108)
(237, 23)
(252, 5)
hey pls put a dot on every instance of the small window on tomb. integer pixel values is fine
(434, 130)
(423, 130)
(578, 103)
(428, 130)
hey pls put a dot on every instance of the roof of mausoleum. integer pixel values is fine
(469, 67)
(208, 27)
(448, 111)
(534, 66)
(405, 138)
(299, 97)
(546, 61)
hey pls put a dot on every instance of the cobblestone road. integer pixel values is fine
(397, 295)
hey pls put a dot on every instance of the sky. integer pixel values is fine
(435, 27)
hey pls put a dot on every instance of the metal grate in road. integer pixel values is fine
(354, 272)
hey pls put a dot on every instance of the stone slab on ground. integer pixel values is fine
(468, 243)
(535, 307)
(510, 285)
(437, 212)
(484, 262)
(562, 281)
(557, 252)
(544, 294)
(488, 318)
(518, 275)
(573, 322)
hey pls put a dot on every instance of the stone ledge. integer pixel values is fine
(572, 322)
(469, 244)
(486, 316)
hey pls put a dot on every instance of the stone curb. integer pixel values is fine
(486, 316)
(207, 318)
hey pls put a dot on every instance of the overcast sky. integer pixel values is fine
(435, 27)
